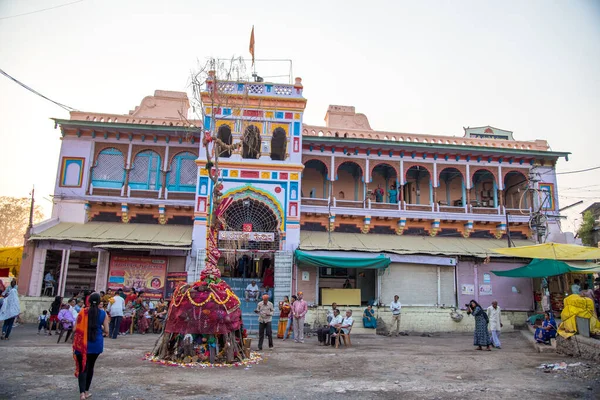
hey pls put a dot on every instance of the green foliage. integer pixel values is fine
(586, 229)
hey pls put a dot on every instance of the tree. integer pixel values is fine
(586, 229)
(14, 219)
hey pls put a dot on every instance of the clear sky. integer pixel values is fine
(532, 67)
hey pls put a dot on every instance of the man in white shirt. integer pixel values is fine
(252, 291)
(345, 326)
(396, 308)
(495, 316)
(322, 333)
(117, 304)
(49, 280)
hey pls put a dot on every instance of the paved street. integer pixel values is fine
(413, 367)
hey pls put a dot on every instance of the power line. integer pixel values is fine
(578, 171)
(38, 11)
(35, 91)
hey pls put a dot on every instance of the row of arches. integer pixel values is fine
(252, 142)
(109, 171)
(418, 188)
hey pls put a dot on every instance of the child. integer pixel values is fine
(43, 321)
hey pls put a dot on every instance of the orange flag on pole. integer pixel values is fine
(252, 44)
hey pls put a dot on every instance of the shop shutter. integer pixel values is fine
(283, 275)
(447, 285)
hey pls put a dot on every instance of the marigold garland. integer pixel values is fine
(255, 358)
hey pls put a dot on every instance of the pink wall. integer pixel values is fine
(470, 273)
(455, 191)
(346, 183)
(308, 288)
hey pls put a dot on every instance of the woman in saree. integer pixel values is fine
(547, 330)
(284, 312)
(369, 320)
(140, 319)
(481, 336)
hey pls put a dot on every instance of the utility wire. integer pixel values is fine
(38, 11)
(578, 171)
(36, 92)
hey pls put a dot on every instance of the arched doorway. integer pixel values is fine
(515, 191)
(451, 190)
(484, 190)
(418, 188)
(384, 180)
(314, 180)
(349, 185)
(251, 236)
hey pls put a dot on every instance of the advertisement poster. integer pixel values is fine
(142, 273)
(485, 290)
(487, 278)
(173, 280)
(467, 289)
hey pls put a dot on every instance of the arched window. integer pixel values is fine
(145, 172)
(109, 171)
(278, 144)
(251, 143)
(224, 133)
(182, 173)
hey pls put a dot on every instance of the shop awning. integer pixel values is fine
(543, 268)
(378, 243)
(142, 247)
(307, 259)
(116, 232)
(553, 251)
(10, 258)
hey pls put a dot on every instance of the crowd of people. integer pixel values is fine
(126, 314)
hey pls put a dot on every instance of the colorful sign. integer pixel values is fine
(250, 236)
(141, 273)
(174, 279)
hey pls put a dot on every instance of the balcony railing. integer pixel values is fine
(418, 210)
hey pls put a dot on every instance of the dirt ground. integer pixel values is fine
(375, 367)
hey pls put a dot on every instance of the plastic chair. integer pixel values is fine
(341, 335)
(48, 286)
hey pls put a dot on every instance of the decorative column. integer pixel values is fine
(468, 228)
(464, 195)
(401, 226)
(435, 227)
(331, 223)
(366, 224)
(162, 218)
(124, 213)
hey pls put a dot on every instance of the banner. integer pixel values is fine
(141, 273)
(173, 280)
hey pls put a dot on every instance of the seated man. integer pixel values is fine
(322, 333)
(252, 291)
(344, 327)
(330, 313)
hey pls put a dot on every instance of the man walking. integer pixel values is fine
(495, 316)
(265, 313)
(396, 308)
(116, 314)
(299, 309)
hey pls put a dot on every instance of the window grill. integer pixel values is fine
(255, 213)
(146, 171)
(109, 171)
(183, 173)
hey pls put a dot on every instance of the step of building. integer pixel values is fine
(249, 317)
(540, 348)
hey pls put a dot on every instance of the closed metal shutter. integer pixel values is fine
(283, 275)
(417, 284)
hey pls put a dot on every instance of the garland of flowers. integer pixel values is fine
(255, 358)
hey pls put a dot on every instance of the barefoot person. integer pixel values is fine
(88, 343)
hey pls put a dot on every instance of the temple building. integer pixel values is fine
(340, 211)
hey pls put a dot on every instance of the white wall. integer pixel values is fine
(79, 148)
